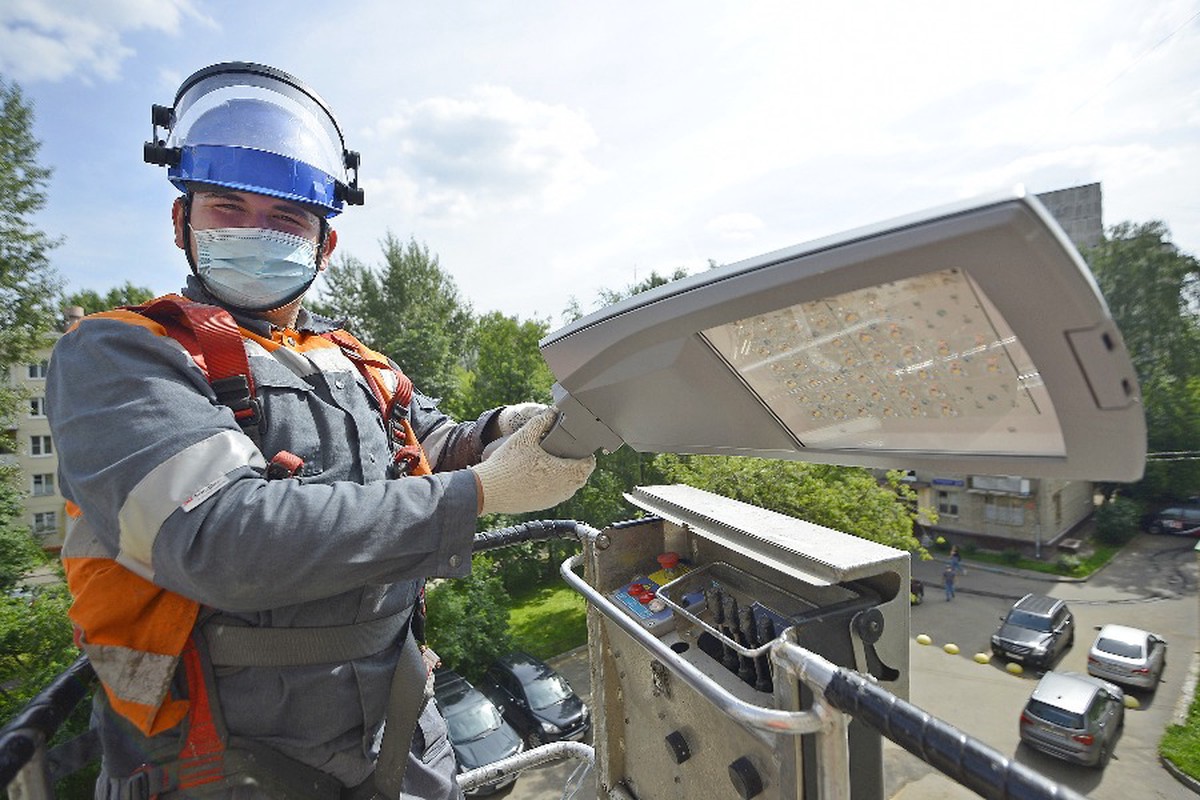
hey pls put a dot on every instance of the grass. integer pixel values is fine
(1101, 554)
(1181, 743)
(548, 620)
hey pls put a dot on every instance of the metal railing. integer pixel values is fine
(28, 769)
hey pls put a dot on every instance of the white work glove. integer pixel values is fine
(512, 418)
(520, 476)
(509, 420)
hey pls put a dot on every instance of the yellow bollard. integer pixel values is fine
(950, 648)
(924, 638)
(1014, 668)
(982, 658)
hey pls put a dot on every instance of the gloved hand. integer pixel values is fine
(520, 476)
(509, 420)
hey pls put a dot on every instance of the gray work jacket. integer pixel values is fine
(134, 420)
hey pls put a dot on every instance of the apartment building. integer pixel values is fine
(32, 451)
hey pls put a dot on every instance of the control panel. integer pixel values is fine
(718, 582)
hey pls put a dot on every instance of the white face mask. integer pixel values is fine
(255, 269)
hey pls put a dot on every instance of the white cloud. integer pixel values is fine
(51, 40)
(486, 152)
(738, 226)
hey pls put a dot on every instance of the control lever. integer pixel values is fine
(747, 671)
(717, 602)
(766, 632)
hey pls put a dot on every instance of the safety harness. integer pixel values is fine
(209, 756)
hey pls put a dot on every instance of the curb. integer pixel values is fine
(1179, 775)
(1179, 717)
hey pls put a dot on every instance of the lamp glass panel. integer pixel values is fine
(896, 366)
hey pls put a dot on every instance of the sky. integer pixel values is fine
(547, 151)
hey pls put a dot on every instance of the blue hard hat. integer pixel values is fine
(254, 128)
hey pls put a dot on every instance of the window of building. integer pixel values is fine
(1004, 510)
(37, 406)
(40, 446)
(43, 484)
(947, 503)
(45, 522)
(38, 370)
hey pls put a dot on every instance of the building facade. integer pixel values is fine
(1001, 511)
(32, 452)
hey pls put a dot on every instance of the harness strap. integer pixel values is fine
(212, 338)
(406, 699)
(242, 646)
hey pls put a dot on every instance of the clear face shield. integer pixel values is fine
(253, 128)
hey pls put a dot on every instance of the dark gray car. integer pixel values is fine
(1074, 717)
(1036, 631)
(539, 702)
(478, 733)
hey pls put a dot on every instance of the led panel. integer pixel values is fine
(970, 337)
(921, 363)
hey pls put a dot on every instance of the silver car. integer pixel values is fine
(1074, 717)
(1128, 656)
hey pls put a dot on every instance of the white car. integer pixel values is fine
(1128, 656)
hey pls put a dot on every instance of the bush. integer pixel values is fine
(1067, 563)
(1117, 521)
(468, 619)
(1011, 556)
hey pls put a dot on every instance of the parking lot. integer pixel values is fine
(1151, 585)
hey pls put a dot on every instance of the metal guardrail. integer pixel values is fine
(25, 768)
(27, 774)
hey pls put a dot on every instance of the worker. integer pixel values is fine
(256, 497)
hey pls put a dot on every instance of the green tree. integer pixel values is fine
(468, 619)
(28, 284)
(1152, 291)
(1117, 521)
(847, 499)
(125, 295)
(608, 297)
(409, 309)
(503, 365)
(35, 634)
(18, 552)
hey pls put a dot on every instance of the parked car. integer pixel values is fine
(1073, 717)
(478, 732)
(1036, 631)
(1177, 520)
(1128, 656)
(536, 700)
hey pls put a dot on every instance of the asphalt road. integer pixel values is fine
(1152, 584)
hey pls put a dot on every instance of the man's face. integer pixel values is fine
(226, 208)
